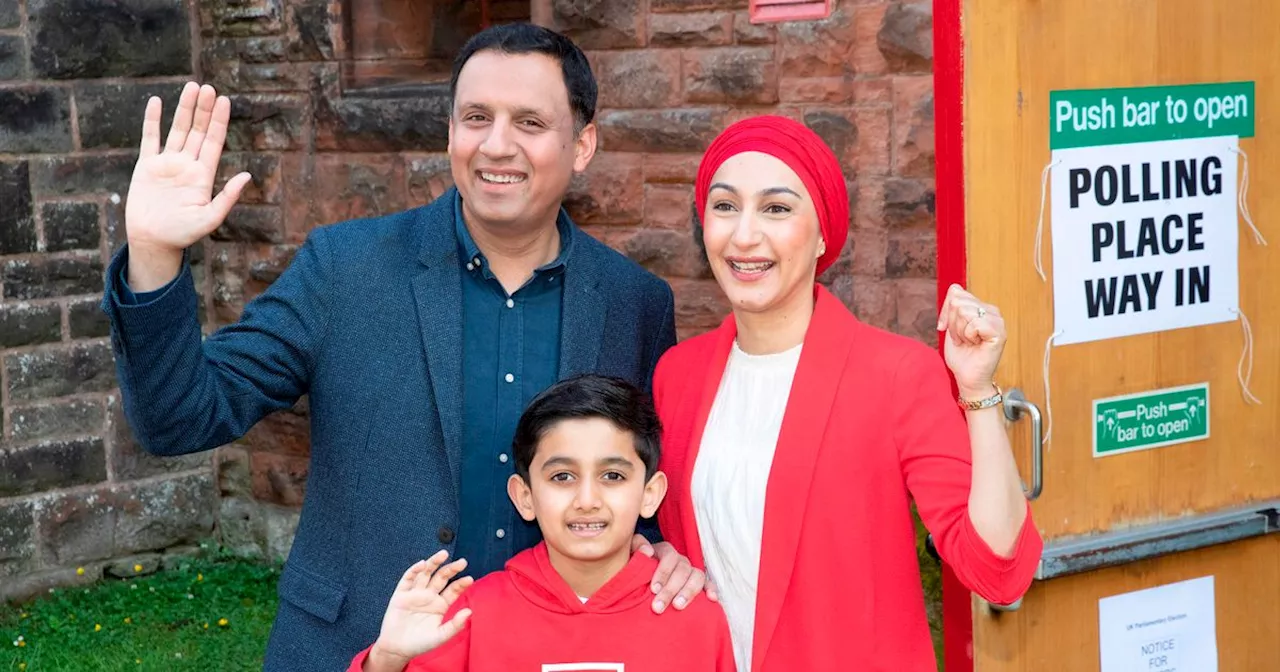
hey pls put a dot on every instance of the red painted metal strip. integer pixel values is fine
(763, 11)
(948, 101)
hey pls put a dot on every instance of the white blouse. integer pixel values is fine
(731, 476)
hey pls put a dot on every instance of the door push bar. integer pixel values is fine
(1016, 405)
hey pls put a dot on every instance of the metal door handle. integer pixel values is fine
(1015, 406)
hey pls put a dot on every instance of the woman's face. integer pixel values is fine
(761, 233)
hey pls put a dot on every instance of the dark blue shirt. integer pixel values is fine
(511, 352)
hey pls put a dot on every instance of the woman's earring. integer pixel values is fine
(822, 247)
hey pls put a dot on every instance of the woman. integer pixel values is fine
(795, 436)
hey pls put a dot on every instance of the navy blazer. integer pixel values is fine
(367, 322)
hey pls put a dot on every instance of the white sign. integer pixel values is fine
(1164, 629)
(1145, 237)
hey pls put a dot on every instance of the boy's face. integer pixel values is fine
(587, 490)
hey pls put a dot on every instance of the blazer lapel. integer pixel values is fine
(809, 406)
(437, 292)
(583, 311)
(716, 364)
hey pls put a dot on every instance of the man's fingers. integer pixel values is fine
(673, 572)
(200, 124)
(151, 128)
(182, 118)
(663, 574)
(216, 137)
(221, 206)
(691, 588)
(712, 593)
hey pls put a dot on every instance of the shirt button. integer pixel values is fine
(503, 458)
(511, 303)
(509, 378)
(476, 261)
(445, 535)
(471, 266)
(500, 533)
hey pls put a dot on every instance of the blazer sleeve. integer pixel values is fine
(934, 451)
(665, 336)
(183, 392)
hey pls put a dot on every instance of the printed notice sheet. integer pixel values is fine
(1168, 628)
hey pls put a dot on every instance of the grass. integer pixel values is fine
(212, 613)
(931, 577)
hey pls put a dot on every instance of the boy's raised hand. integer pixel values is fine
(414, 623)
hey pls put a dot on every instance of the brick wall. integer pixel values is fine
(75, 490)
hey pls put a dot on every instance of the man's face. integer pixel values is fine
(587, 490)
(512, 142)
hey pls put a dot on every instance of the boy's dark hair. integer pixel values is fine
(590, 396)
(527, 38)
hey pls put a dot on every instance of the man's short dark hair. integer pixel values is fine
(590, 396)
(527, 38)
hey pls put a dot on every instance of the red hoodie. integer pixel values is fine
(527, 619)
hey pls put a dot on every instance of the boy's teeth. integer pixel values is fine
(501, 179)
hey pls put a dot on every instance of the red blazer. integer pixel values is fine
(870, 425)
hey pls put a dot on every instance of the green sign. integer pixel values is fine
(1090, 117)
(1150, 419)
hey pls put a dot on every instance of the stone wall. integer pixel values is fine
(77, 496)
(74, 75)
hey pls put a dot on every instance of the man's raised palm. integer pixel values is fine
(171, 203)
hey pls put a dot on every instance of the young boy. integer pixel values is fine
(586, 454)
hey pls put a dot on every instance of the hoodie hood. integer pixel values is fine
(533, 576)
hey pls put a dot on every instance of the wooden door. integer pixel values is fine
(997, 62)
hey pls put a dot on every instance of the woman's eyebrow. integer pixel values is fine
(778, 190)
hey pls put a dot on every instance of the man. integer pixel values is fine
(419, 337)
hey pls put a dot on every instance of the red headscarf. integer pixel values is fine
(805, 153)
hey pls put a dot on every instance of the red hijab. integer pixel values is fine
(805, 153)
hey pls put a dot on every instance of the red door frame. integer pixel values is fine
(948, 102)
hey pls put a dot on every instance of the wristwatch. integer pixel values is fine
(979, 404)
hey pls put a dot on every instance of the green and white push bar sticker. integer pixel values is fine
(1092, 117)
(1150, 419)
